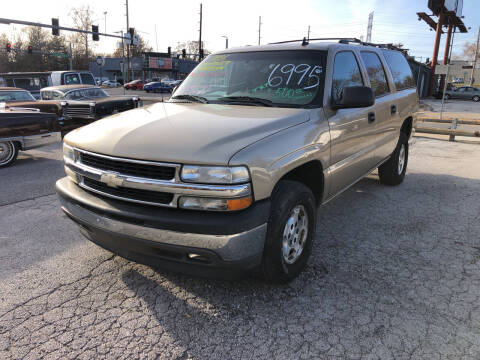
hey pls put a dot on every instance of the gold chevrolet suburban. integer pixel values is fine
(227, 176)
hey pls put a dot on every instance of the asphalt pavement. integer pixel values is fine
(395, 274)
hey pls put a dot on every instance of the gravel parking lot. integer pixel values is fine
(395, 274)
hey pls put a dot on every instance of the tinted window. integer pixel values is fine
(401, 72)
(376, 73)
(87, 79)
(345, 73)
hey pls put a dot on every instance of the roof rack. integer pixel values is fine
(306, 41)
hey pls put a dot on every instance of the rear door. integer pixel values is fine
(386, 106)
(351, 130)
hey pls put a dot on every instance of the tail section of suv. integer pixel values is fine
(228, 175)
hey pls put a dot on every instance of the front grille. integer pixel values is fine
(130, 194)
(128, 168)
(77, 111)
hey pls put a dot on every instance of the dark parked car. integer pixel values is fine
(83, 104)
(134, 85)
(157, 87)
(25, 129)
(464, 92)
(16, 97)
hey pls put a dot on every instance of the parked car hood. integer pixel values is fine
(184, 133)
(49, 106)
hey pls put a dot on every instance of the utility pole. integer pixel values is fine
(128, 46)
(308, 33)
(70, 57)
(475, 57)
(200, 36)
(369, 28)
(438, 35)
(259, 28)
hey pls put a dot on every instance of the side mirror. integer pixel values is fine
(354, 97)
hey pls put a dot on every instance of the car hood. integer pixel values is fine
(184, 133)
(49, 106)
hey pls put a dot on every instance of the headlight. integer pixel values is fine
(69, 157)
(199, 203)
(215, 174)
(68, 153)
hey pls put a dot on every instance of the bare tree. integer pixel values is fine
(468, 51)
(82, 18)
(191, 48)
(135, 51)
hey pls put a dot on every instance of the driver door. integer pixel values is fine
(352, 131)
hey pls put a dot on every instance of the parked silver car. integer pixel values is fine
(228, 175)
(464, 92)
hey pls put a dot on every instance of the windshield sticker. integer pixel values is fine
(291, 93)
(286, 72)
(217, 63)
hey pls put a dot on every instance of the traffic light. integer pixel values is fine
(55, 29)
(131, 31)
(30, 49)
(95, 32)
(8, 47)
(169, 51)
(201, 54)
(184, 53)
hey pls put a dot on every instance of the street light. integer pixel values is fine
(226, 41)
(105, 13)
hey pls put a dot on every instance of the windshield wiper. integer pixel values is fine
(247, 99)
(196, 98)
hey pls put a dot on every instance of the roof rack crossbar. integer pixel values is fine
(344, 41)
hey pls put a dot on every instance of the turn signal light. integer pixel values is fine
(239, 204)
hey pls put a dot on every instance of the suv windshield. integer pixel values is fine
(270, 78)
(82, 94)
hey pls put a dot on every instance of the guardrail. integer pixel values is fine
(453, 131)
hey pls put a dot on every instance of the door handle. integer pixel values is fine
(393, 109)
(371, 117)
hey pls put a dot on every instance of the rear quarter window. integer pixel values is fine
(401, 72)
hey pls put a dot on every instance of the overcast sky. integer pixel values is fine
(165, 23)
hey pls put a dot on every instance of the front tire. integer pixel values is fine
(8, 153)
(393, 171)
(291, 228)
(476, 98)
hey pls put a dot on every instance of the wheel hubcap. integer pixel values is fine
(295, 234)
(6, 152)
(401, 159)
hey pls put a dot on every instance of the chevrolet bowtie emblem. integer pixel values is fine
(111, 180)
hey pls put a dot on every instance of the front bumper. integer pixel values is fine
(198, 243)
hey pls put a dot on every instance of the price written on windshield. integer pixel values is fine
(307, 74)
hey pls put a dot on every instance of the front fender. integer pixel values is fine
(274, 156)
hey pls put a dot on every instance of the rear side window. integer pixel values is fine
(87, 79)
(401, 72)
(376, 73)
(346, 72)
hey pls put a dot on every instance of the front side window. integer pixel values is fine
(72, 79)
(279, 78)
(376, 73)
(401, 71)
(346, 72)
